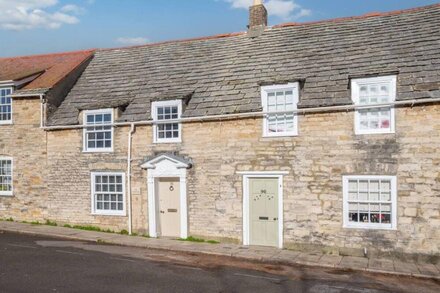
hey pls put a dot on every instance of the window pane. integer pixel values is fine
(367, 206)
(5, 105)
(5, 176)
(374, 119)
(280, 101)
(363, 185)
(374, 218)
(385, 208)
(170, 130)
(385, 196)
(374, 196)
(386, 218)
(353, 217)
(109, 192)
(97, 134)
(353, 185)
(385, 185)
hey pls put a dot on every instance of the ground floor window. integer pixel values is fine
(370, 202)
(108, 193)
(5, 176)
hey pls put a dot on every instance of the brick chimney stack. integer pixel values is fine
(257, 15)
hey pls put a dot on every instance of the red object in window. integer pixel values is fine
(385, 124)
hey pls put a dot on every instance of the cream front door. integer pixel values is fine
(263, 211)
(169, 206)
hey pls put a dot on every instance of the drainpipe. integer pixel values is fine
(42, 110)
(130, 134)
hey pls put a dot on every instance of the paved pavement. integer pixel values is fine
(45, 264)
(260, 254)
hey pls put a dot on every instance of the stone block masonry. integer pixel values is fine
(53, 182)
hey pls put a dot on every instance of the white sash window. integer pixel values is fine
(278, 101)
(370, 92)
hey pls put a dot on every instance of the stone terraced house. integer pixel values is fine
(311, 136)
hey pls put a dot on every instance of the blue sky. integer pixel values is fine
(43, 26)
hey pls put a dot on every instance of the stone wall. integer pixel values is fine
(325, 150)
(25, 142)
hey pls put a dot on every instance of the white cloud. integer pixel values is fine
(285, 9)
(132, 41)
(31, 14)
(74, 9)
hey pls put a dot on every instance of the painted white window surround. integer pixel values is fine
(6, 171)
(371, 91)
(5, 105)
(280, 98)
(161, 112)
(370, 202)
(98, 136)
(108, 193)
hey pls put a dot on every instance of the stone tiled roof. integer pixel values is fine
(223, 73)
(50, 68)
(30, 92)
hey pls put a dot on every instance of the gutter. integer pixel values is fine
(256, 114)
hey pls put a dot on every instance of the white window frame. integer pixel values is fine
(294, 86)
(355, 93)
(86, 149)
(154, 107)
(102, 212)
(9, 193)
(373, 226)
(8, 122)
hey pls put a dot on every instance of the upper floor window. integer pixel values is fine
(370, 202)
(5, 106)
(165, 129)
(108, 193)
(5, 176)
(280, 100)
(370, 92)
(98, 135)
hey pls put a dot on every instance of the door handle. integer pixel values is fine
(275, 219)
(162, 212)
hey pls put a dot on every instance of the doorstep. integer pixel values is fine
(258, 254)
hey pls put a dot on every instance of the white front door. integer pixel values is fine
(263, 211)
(169, 206)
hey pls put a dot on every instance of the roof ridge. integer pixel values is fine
(234, 34)
(363, 16)
(288, 24)
(218, 36)
(49, 54)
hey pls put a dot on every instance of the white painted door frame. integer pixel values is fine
(246, 214)
(165, 167)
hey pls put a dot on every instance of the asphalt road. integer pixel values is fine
(41, 264)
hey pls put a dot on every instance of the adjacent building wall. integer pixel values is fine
(25, 142)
